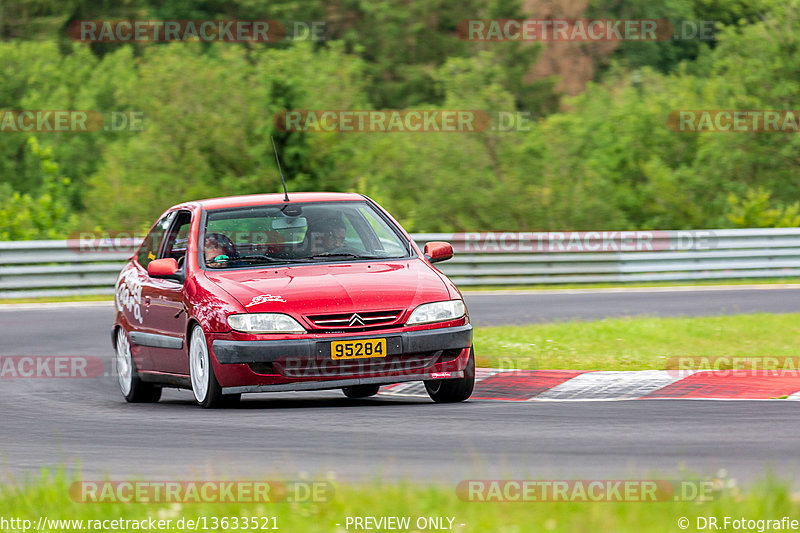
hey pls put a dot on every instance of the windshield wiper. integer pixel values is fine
(335, 255)
(265, 259)
(258, 258)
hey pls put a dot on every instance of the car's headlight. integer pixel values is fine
(265, 323)
(437, 312)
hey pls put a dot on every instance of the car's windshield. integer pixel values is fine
(299, 233)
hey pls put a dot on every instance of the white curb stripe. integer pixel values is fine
(590, 386)
(606, 385)
(795, 396)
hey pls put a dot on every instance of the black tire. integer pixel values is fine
(361, 391)
(454, 390)
(207, 390)
(230, 400)
(131, 385)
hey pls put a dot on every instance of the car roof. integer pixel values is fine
(276, 198)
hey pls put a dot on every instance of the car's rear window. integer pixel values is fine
(299, 233)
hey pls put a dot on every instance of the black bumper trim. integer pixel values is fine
(335, 384)
(156, 341)
(408, 342)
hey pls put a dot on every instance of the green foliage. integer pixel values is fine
(754, 211)
(606, 159)
(663, 55)
(404, 42)
(208, 124)
(45, 215)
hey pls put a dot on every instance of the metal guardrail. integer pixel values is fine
(61, 268)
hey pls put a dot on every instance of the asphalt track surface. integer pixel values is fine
(86, 425)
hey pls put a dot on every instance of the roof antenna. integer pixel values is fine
(285, 194)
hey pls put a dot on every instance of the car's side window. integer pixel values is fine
(177, 239)
(148, 251)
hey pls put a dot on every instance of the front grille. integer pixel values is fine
(356, 321)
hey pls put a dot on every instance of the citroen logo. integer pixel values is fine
(356, 320)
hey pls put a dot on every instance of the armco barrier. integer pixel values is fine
(60, 268)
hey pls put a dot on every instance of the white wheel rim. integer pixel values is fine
(198, 364)
(124, 362)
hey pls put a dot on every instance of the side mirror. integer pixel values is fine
(164, 269)
(437, 251)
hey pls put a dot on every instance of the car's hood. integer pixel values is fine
(334, 288)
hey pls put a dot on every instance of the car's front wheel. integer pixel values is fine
(454, 390)
(205, 386)
(133, 388)
(361, 391)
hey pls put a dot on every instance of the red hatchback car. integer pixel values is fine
(257, 294)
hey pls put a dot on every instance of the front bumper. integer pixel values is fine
(339, 383)
(229, 352)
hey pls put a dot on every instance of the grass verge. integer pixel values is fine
(49, 497)
(637, 285)
(58, 299)
(482, 288)
(636, 343)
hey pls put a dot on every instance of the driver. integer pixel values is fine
(328, 235)
(218, 250)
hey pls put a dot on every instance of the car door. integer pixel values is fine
(141, 334)
(166, 318)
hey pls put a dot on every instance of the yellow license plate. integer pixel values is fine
(358, 349)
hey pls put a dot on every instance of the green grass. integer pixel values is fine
(55, 299)
(706, 283)
(636, 343)
(479, 288)
(49, 496)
